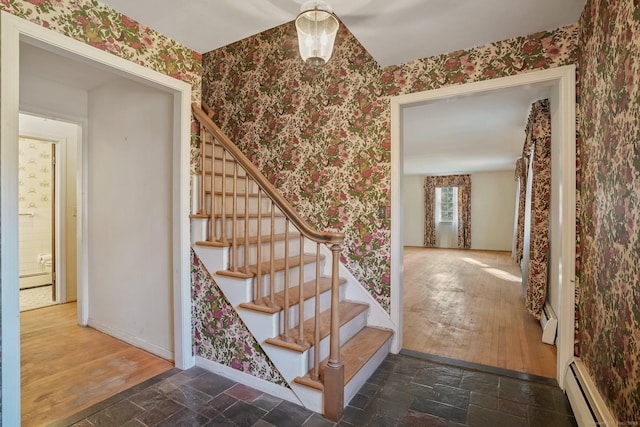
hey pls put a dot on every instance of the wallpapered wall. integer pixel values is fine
(324, 139)
(610, 189)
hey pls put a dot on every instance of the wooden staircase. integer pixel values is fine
(282, 277)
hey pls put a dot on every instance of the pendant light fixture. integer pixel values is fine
(317, 27)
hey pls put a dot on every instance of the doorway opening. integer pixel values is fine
(105, 150)
(561, 85)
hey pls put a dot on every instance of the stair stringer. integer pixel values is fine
(354, 291)
(291, 364)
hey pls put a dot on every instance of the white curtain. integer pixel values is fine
(446, 231)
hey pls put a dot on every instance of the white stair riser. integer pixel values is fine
(214, 259)
(198, 230)
(294, 277)
(263, 325)
(309, 307)
(313, 399)
(279, 226)
(291, 364)
(236, 290)
(240, 203)
(265, 253)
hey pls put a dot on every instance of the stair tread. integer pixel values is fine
(308, 289)
(347, 311)
(279, 237)
(265, 215)
(279, 264)
(355, 353)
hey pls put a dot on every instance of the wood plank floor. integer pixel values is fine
(66, 368)
(467, 305)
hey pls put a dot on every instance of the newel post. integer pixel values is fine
(334, 371)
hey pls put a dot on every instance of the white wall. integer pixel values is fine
(129, 214)
(493, 203)
(413, 210)
(41, 96)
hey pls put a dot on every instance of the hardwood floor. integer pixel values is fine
(66, 368)
(466, 305)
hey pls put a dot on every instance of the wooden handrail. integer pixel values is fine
(285, 207)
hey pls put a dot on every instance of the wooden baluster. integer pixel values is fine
(286, 282)
(334, 371)
(246, 228)
(272, 267)
(316, 335)
(223, 199)
(203, 173)
(212, 198)
(301, 294)
(257, 296)
(234, 220)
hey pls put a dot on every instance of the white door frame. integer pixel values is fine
(14, 30)
(561, 82)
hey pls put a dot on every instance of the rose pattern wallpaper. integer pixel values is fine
(324, 138)
(609, 261)
(218, 331)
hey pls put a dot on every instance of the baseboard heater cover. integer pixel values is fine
(549, 323)
(586, 402)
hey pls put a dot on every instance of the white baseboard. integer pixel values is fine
(134, 341)
(588, 406)
(248, 380)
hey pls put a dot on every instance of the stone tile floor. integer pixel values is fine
(404, 391)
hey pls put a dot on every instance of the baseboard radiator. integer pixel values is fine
(549, 323)
(586, 402)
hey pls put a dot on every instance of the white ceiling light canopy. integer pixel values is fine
(317, 27)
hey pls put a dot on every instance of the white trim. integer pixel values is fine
(13, 30)
(131, 339)
(247, 379)
(561, 82)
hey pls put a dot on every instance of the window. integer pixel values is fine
(446, 209)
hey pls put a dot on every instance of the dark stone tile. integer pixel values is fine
(243, 414)
(263, 423)
(387, 365)
(157, 406)
(288, 414)
(355, 416)
(220, 421)
(489, 402)
(439, 409)
(189, 397)
(547, 418)
(359, 401)
(215, 406)
(184, 418)
(369, 389)
(529, 393)
(420, 419)
(380, 377)
(379, 407)
(561, 403)
(83, 423)
(481, 382)
(451, 396)
(243, 392)
(317, 420)
(382, 422)
(445, 375)
(267, 402)
(211, 384)
(134, 423)
(455, 424)
(513, 408)
(196, 371)
(483, 417)
(420, 390)
(117, 414)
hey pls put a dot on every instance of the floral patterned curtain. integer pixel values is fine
(537, 148)
(521, 178)
(463, 182)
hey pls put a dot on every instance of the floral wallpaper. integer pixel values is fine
(537, 148)
(324, 138)
(521, 179)
(218, 332)
(609, 183)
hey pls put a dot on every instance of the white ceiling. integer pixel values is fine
(474, 133)
(394, 32)
(482, 132)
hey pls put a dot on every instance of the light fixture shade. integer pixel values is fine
(317, 27)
